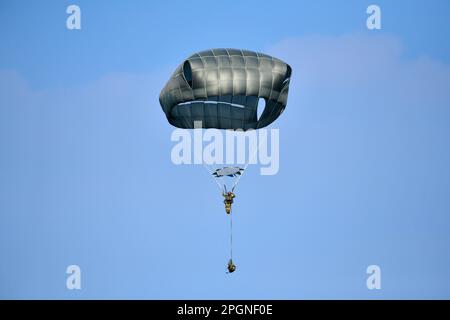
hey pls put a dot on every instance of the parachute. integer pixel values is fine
(222, 89)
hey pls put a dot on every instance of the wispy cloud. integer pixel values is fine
(371, 65)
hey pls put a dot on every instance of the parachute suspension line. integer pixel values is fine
(206, 166)
(238, 178)
(252, 157)
(222, 181)
(187, 124)
(211, 170)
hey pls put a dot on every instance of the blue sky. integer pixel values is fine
(86, 176)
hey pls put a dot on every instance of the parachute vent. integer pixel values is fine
(187, 73)
(260, 108)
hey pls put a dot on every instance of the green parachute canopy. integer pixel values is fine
(222, 88)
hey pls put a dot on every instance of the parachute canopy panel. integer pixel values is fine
(222, 87)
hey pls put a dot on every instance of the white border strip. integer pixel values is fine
(212, 102)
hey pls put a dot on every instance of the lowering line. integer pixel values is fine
(231, 266)
(231, 236)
